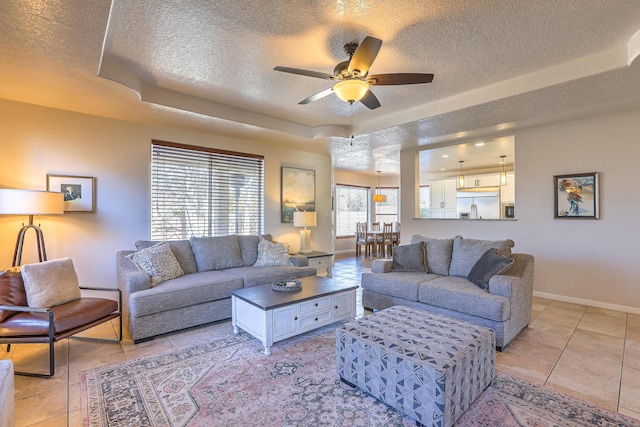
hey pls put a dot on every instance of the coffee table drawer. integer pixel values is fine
(314, 306)
(306, 322)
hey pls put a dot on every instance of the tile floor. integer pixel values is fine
(590, 353)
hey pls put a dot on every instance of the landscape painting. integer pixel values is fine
(298, 192)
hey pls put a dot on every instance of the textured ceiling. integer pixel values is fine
(499, 65)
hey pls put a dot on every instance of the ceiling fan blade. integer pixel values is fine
(364, 55)
(399, 79)
(370, 100)
(300, 72)
(317, 96)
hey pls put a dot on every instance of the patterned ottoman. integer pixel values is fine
(429, 367)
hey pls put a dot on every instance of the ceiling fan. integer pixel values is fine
(352, 76)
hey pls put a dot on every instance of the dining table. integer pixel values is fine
(376, 234)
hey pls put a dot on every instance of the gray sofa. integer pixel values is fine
(203, 294)
(505, 306)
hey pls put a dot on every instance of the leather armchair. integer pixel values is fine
(20, 324)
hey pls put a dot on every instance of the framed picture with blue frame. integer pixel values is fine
(297, 192)
(576, 196)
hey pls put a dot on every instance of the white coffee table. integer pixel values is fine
(272, 316)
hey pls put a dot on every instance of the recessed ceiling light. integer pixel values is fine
(443, 169)
(479, 144)
(444, 156)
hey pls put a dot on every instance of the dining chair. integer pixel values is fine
(387, 240)
(375, 226)
(396, 236)
(362, 239)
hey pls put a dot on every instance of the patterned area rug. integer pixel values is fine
(229, 382)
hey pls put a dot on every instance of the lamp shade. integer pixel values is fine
(351, 90)
(304, 219)
(30, 202)
(379, 198)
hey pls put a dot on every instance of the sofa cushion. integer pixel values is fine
(50, 283)
(11, 292)
(272, 254)
(216, 253)
(489, 264)
(438, 253)
(466, 252)
(249, 249)
(397, 284)
(184, 291)
(159, 262)
(409, 258)
(257, 275)
(460, 295)
(180, 248)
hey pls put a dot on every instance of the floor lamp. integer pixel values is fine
(304, 219)
(30, 202)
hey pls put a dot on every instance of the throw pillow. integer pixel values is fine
(438, 253)
(272, 253)
(409, 258)
(216, 253)
(159, 262)
(12, 292)
(180, 248)
(466, 252)
(489, 264)
(50, 283)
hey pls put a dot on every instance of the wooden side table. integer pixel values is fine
(319, 260)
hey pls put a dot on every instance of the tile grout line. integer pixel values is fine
(624, 347)
(565, 346)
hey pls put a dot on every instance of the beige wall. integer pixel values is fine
(589, 261)
(36, 141)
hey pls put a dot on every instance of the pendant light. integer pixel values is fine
(461, 177)
(378, 197)
(503, 174)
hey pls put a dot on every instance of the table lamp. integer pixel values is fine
(304, 219)
(30, 202)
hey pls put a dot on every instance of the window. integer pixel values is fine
(197, 191)
(352, 205)
(425, 200)
(388, 211)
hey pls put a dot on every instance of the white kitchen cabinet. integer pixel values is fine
(484, 180)
(442, 198)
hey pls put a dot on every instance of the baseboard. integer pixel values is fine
(591, 303)
(345, 251)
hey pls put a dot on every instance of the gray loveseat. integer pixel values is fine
(203, 294)
(505, 306)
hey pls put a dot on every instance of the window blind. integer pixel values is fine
(198, 191)
(352, 205)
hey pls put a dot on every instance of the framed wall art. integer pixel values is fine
(298, 192)
(79, 191)
(576, 195)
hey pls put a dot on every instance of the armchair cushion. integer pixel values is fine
(159, 262)
(50, 283)
(11, 293)
(71, 315)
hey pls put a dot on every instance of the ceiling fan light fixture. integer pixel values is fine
(351, 90)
